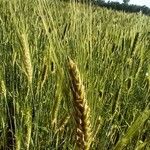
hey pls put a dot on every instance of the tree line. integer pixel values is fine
(122, 7)
(118, 6)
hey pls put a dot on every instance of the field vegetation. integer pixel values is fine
(73, 76)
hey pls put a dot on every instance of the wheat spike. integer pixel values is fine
(26, 58)
(28, 124)
(3, 88)
(82, 111)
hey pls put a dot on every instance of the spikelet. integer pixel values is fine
(82, 111)
(26, 58)
(63, 123)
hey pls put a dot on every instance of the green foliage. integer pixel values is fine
(126, 1)
(112, 52)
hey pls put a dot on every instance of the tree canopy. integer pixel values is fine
(126, 1)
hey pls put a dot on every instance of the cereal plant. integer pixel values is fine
(109, 55)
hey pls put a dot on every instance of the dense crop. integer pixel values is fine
(112, 52)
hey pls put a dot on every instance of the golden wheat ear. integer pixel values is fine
(82, 110)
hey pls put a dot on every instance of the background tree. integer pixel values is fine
(126, 1)
(100, 1)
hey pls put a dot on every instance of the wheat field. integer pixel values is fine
(102, 100)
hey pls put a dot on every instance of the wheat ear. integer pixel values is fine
(26, 58)
(82, 111)
(28, 125)
(29, 73)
